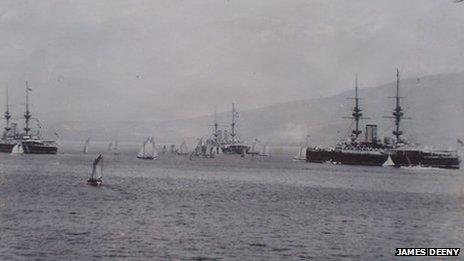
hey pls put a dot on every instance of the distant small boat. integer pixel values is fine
(183, 149)
(301, 155)
(86, 146)
(18, 149)
(97, 172)
(116, 148)
(110, 146)
(264, 151)
(389, 162)
(254, 150)
(148, 150)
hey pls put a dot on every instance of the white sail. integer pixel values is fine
(86, 146)
(154, 152)
(389, 162)
(264, 151)
(300, 155)
(148, 150)
(97, 169)
(142, 152)
(18, 149)
(183, 149)
(115, 148)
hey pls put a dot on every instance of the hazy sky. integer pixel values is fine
(158, 59)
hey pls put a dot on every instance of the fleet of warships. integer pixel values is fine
(356, 150)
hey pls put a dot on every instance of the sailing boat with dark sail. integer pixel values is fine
(97, 172)
(148, 150)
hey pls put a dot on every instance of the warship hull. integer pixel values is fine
(235, 149)
(38, 148)
(411, 158)
(6, 147)
(30, 148)
(346, 157)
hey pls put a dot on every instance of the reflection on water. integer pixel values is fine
(227, 207)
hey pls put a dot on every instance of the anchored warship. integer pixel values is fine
(30, 143)
(353, 151)
(374, 152)
(406, 154)
(233, 145)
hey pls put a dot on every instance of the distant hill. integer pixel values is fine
(435, 104)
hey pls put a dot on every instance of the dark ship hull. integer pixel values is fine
(30, 147)
(235, 149)
(37, 147)
(438, 159)
(6, 147)
(346, 157)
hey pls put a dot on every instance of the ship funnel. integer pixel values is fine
(371, 133)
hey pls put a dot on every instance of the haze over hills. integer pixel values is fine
(435, 103)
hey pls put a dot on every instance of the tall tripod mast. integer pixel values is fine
(397, 111)
(216, 125)
(7, 114)
(27, 114)
(356, 110)
(232, 131)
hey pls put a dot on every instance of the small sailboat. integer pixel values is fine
(97, 172)
(148, 150)
(18, 149)
(254, 150)
(110, 146)
(183, 149)
(301, 154)
(86, 146)
(264, 151)
(116, 148)
(389, 162)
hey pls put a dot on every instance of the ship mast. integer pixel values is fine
(232, 131)
(27, 114)
(7, 114)
(356, 110)
(397, 111)
(216, 125)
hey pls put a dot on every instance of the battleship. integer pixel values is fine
(354, 151)
(232, 145)
(404, 154)
(30, 143)
(372, 151)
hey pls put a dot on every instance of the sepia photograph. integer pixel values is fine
(231, 129)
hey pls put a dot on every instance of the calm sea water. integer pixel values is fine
(223, 208)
